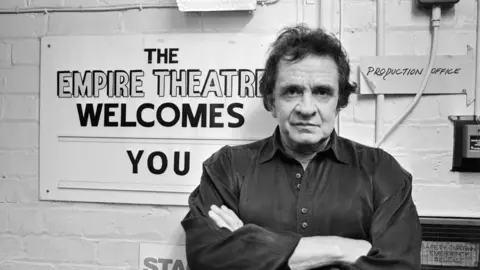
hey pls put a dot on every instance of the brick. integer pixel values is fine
(427, 167)
(160, 20)
(427, 109)
(360, 133)
(364, 109)
(25, 221)
(9, 4)
(360, 14)
(172, 230)
(450, 42)
(10, 247)
(21, 107)
(26, 266)
(143, 224)
(89, 267)
(465, 12)
(108, 253)
(354, 73)
(75, 23)
(455, 42)
(140, 224)
(3, 219)
(18, 163)
(19, 191)
(14, 135)
(447, 200)
(20, 79)
(26, 51)
(405, 13)
(420, 137)
(2, 106)
(59, 249)
(264, 19)
(25, 25)
(453, 105)
(400, 43)
(359, 43)
(346, 114)
(312, 15)
(46, 3)
(64, 221)
(5, 54)
(467, 178)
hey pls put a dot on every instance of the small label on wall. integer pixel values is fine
(403, 74)
(475, 143)
(450, 253)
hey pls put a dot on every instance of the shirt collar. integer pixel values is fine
(335, 146)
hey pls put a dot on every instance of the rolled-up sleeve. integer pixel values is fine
(210, 247)
(395, 230)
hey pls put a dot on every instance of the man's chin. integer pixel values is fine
(306, 140)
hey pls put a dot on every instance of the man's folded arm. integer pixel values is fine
(395, 230)
(210, 247)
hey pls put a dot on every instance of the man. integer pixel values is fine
(303, 198)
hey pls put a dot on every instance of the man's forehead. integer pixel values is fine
(312, 69)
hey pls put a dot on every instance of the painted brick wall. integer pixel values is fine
(87, 236)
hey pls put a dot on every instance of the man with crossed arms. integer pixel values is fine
(303, 198)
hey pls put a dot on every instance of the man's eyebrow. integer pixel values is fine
(323, 86)
(290, 85)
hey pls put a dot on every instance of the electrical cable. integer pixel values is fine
(85, 9)
(380, 51)
(340, 37)
(267, 2)
(436, 16)
(46, 10)
(476, 107)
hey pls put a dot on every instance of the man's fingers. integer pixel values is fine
(233, 216)
(232, 223)
(219, 220)
(228, 216)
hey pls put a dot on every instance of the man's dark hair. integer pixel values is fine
(295, 43)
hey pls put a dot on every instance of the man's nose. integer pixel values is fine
(306, 105)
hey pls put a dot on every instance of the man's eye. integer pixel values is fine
(322, 92)
(292, 91)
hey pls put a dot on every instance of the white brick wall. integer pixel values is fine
(26, 51)
(87, 236)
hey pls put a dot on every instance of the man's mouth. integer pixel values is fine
(304, 124)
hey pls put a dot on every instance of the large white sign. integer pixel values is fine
(131, 118)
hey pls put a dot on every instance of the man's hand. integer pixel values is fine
(353, 249)
(320, 251)
(225, 218)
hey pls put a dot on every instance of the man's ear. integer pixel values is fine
(273, 112)
(271, 106)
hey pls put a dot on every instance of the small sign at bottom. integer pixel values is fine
(162, 257)
(450, 253)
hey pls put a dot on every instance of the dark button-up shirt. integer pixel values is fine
(348, 190)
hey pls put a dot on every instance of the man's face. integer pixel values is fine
(305, 100)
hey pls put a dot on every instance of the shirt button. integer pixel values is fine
(304, 225)
(304, 210)
(298, 186)
(298, 175)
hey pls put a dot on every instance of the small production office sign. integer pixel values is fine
(130, 119)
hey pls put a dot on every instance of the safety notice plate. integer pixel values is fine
(475, 142)
(450, 253)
